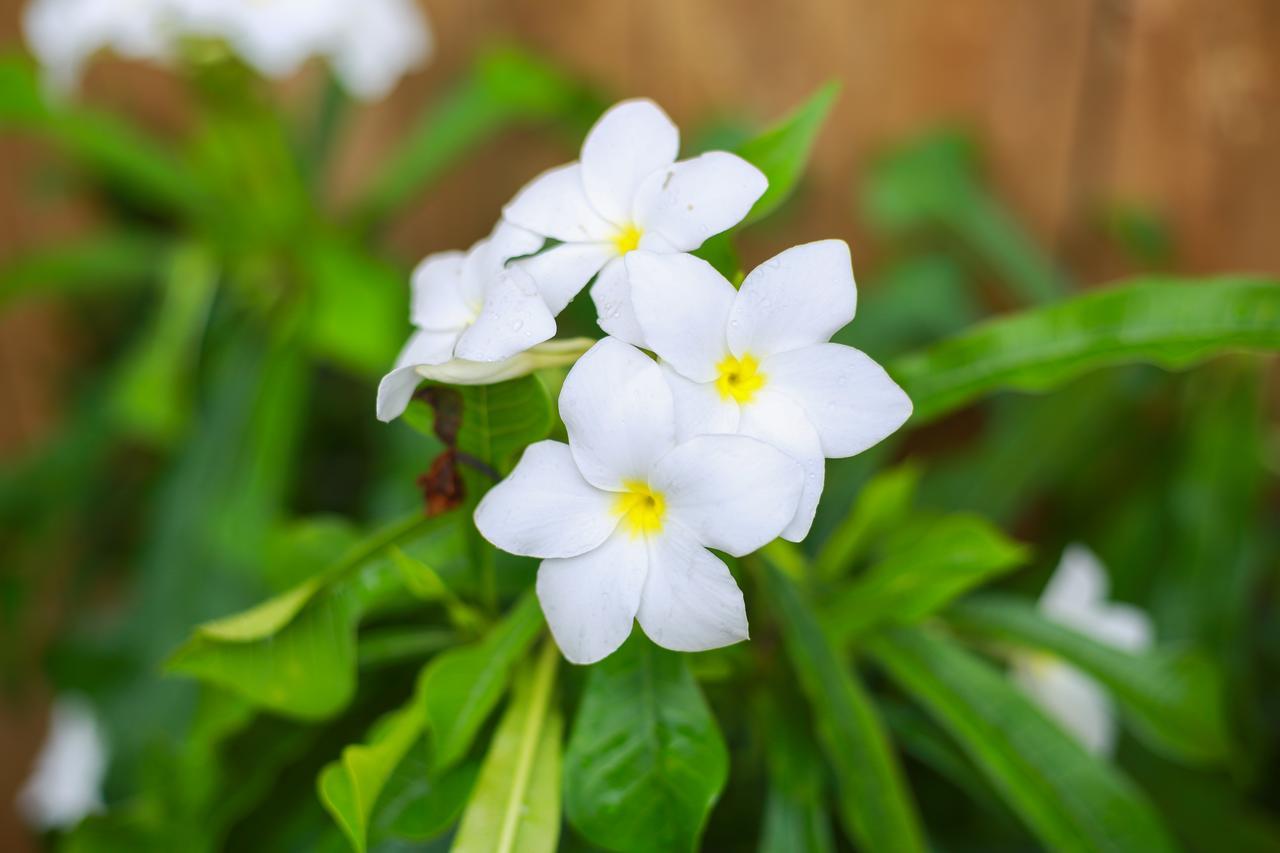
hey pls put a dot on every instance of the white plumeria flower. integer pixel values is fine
(628, 192)
(474, 315)
(757, 361)
(381, 42)
(64, 34)
(1076, 597)
(66, 784)
(623, 515)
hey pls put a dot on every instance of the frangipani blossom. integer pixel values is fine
(474, 315)
(64, 34)
(623, 515)
(757, 361)
(1076, 597)
(627, 192)
(66, 784)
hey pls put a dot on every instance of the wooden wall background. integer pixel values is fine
(1172, 104)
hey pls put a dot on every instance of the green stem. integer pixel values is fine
(544, 678)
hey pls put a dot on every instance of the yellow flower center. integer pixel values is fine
(641, 508)
(740, 378)
(627, 239)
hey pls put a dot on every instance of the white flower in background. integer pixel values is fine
(627, 192)
(757, 361)
(473, 314)
(380, 42)
(1076, 597)
(66, 784)
(64, 34)
(623, 515)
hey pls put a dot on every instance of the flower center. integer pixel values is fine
(627, 239)
(740, 378)
(641, 508)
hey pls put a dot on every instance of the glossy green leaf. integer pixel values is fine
(926, 564)
(1173, 699)
(462, 686)
(499, 421)
(874, 801)
(419, 804)
(515, 805)
(646, 760)
(1069, 799)
(102, 263)
(881, 504)
(782, 151)
(1169, 322)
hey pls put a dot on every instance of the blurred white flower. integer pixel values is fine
(473, 314)
(1076, 597)
(757, 361)
(64, 34)
(623, 515)
(66, 784)
(627, 192)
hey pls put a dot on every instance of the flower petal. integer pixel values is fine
(733, 492)
(699, 408)
(553, 353)
(554, 204)
(690, 601)
(397, 387)
(590, 601)
(779, 422)
(618, 411)
(380, 44)
(488, 257)
(562, 271)
(1076, 597)
(692, 200)
(438, 299)
(513, 319)
(544, 508)
(614, 312)
(630, 141)
(849, 398)
(1071, 698)
(682, 305)
(800, 297)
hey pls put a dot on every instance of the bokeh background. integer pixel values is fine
(1090, 116)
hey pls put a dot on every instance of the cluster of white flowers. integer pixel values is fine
(720, 444)
(370, 44)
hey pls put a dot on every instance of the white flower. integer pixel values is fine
(64, 34)
(66, 784)
(623, 515)
(757, 361)
(1076, 598)
(626, 192)
(473, 314)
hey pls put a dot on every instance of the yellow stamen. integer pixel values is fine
(740, 378)
(641, 508)
(627, 239)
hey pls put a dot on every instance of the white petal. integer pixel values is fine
(553, 353)
(66, 784)
(692, 200)
(488, 257)
(513, 319)
(1078, 584)
(612, 297)
(699, 408)
(779, 422)
(438, 299)
(1072, 699)
(690, 601)
(618, 412)
(544, 508)
(631, 140)
(849, 398)
(590, 601)
(682, 305)
(554, 204)
(800, 297)
(735, 493)
(396, 388)
(382, 41)
(562, 271)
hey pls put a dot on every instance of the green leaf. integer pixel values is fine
(462, 686)
(1069, 799)
(782, 151)
(927, 564)
(499, 421)
(795, 813)
(1173, 700)
(349, 788)
(418, 804)
(874, 801)
(515, 805)
(1169, 322)
(102, 263)
(646, 760)
(882, 503)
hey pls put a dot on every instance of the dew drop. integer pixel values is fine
(517, 325)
